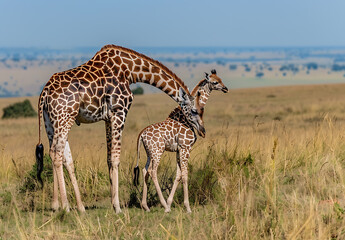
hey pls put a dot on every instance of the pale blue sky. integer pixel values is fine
(68, 23)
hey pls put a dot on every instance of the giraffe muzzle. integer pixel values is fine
(225, 89)
(201, 131)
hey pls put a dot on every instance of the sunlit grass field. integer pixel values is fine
(271, 167)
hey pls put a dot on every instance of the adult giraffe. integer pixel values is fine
(99, 90)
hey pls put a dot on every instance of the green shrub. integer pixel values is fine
(31, 183)
(20, 109)
(138, 91)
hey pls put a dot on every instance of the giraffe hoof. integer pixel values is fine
(146, 208)
(55, 206)
(66, 208)
(81, 209)
(167, 210)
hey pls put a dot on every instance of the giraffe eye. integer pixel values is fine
(194, 111)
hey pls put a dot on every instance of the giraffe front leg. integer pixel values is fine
(184, 173)
(174, 187)
(185, 188)
(114, 172)
(117, 125)
(108, 138)
(68, 163)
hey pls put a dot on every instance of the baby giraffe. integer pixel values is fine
(175, 134)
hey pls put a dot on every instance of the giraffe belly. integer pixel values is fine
(171, 145)
(85, 116)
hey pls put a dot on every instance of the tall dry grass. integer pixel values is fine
(271, 167)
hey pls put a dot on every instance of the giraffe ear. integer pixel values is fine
(206, 76)
(197, 98)
(184, 98)
(203, 83)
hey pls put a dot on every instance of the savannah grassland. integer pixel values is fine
(271, 167)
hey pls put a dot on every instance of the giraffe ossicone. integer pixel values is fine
(94, 91)
(175, 134)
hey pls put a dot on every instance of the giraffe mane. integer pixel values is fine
(151, 60)
(174, 112)
(196, 88)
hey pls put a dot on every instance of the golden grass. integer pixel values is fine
(278, 155)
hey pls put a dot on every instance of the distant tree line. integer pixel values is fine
(312, 66)
(337, 67)
(246, 67)
(289, 67)
(233, 67)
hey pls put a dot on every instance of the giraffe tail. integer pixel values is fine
(39, 146)
(39, 162)
(136, 169)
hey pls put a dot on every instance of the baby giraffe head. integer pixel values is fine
(193, 111)
(214, 82)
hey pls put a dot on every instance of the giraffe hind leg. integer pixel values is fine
(68, 163)
(144, 200)
(117, 125)
(146, 175)
(155, 162)
(175, 185)
(50, 133)
(56, 153)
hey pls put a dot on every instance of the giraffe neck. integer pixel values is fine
(204, 91)
(204, 94)
(178, 116)
(128, 65)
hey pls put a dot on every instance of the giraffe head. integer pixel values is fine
(193, 111)
(214, 82)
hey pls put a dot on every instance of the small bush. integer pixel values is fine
(247, 69)
(290, 67)
(17, 110)
(30, 182)
(259, 74)
(312, 66)
(337, 67)
(202, 185)
(138, 91)
(233, 67)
